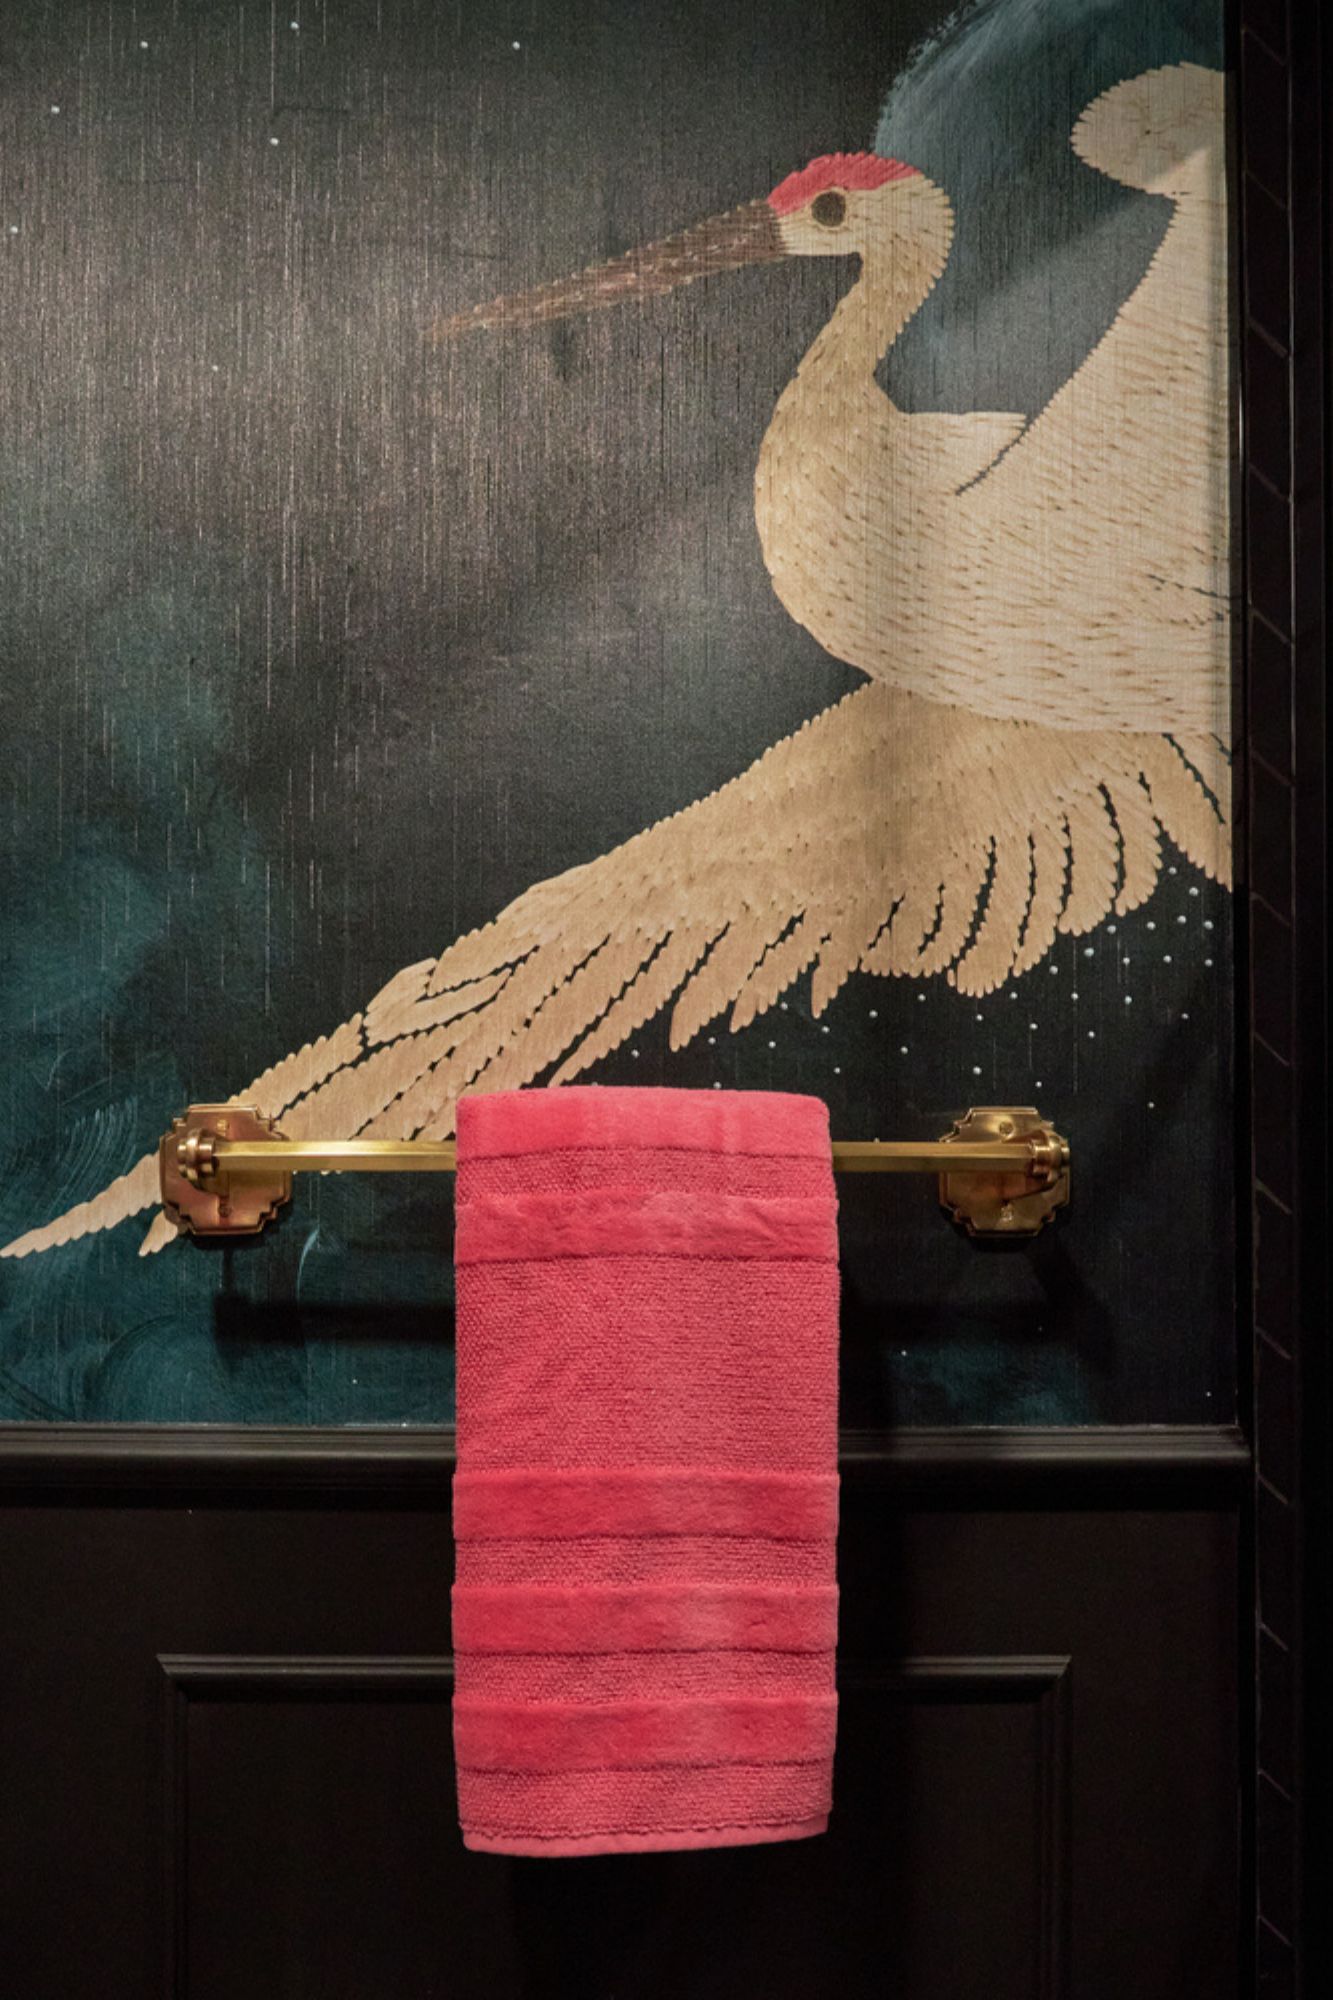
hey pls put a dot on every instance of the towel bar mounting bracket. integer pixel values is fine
(201, 1195)
(225, 1170)
(1015, 1202)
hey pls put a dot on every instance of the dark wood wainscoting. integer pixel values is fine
(227, 1763)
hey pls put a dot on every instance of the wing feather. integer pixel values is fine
(1050, 885)
(644, 998)
(1185, 811)
(888, 833)
(999, 934)
(1094, 861)
(780, 967)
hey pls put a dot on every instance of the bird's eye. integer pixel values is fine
(829, 208)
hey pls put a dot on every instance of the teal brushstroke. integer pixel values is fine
(1045, 248)
(123, 887)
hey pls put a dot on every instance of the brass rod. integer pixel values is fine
(426, 1156)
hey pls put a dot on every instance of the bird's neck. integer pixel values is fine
(839, 457)
(896, 278)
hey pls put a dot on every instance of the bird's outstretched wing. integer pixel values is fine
(889, 834)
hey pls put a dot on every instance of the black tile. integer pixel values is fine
(1267, 410)
(1276, 1524)
(1275, 1853)
(1277, 1713)
(1277, 1967)
(1264, 115)
(1267, 19)
(1309, 697)
(1266, 260)
(1270, 1121)
(1270, 806)
(1274, 1272)
(1268, 672)
(1275, 1418)
(1271, 981)
(1269, 551)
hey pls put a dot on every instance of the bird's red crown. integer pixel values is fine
(835, 170)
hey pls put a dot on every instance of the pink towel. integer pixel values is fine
(646, 1497)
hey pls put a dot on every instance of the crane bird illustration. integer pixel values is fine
(1040, 608)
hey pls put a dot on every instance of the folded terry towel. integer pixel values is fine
(646, 1497)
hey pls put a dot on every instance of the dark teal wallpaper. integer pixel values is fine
(328, 630)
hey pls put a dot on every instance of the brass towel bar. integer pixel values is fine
(226, 1169)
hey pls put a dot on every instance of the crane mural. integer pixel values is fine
(482, 607)
(1039, 604)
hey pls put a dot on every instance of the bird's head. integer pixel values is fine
(841, 205)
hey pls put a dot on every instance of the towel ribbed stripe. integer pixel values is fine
(619, 1618)
(612, 1222)
(509, 1123)
(641, 1735)
(569, 1502)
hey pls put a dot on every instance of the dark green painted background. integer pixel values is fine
(318, 643)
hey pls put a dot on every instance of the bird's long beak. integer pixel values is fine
(747, 235)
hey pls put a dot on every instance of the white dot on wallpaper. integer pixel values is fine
(1171, 871)
(1129, 999)
(143, 45)
(1208, 923)
(1208, 961)
(981, 1017)
(1092, 1034)
(516, 45)
(837, 1069)
(1184, 1017)
(1054, 970)
(1182, 920)
(635, 1054)
(1110, 930)
(13, 229)
(272, 142)
(1166, 958)
(1037, 1084)
(1073, 996)
(902, 1049)
(874, 1013)
(823, 1028)
(772, 1045)
(55, 110)
(1088, 951)
(922, 998)
(1152, 927)
(1033, 1026)
(1125, 960)
(1194, 888)
(1151, 1105)
(976, 1069)
(712, 1041)
(783, 1005)
(717, 1086)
